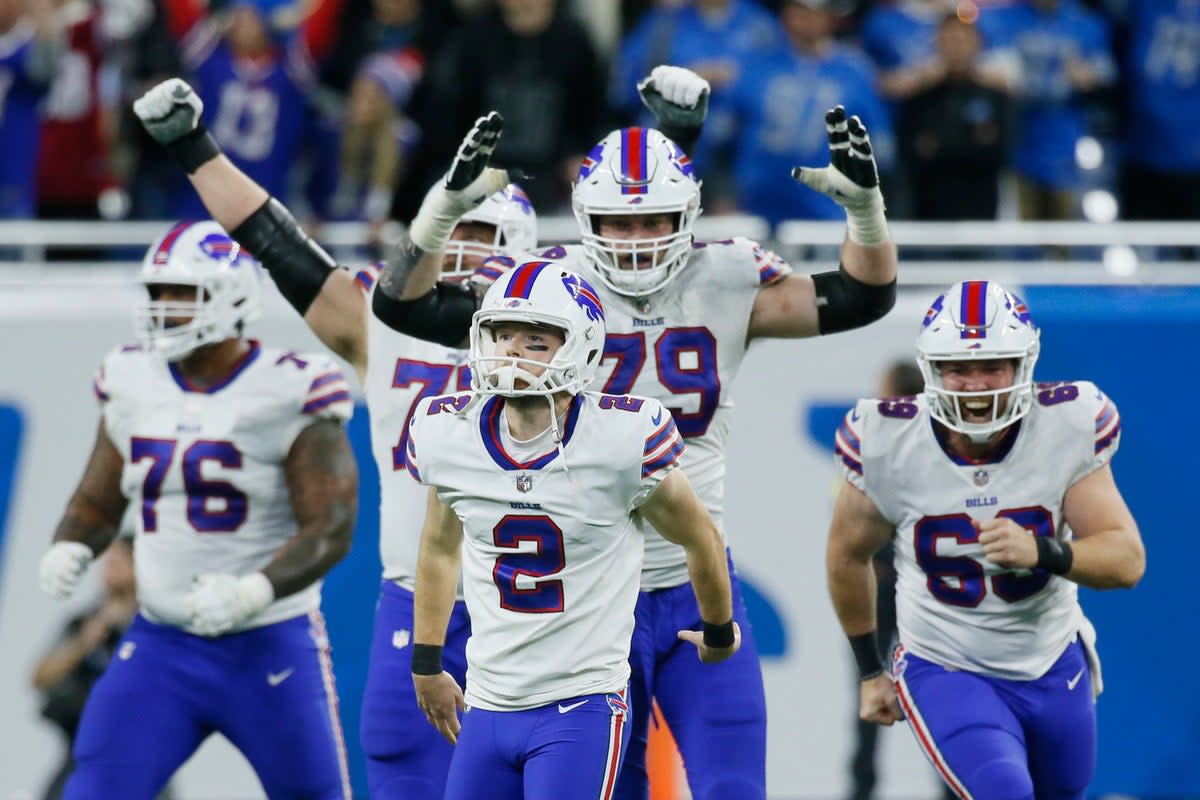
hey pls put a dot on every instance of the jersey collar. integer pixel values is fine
(998, 455)
(489, 426)
(237, 369)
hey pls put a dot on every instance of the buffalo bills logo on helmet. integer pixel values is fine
(1018, 307)
(220, 248)
(681, 160)
(590, 162)
(933, 311)
(585, 296)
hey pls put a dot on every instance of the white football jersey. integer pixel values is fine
(552, 552)
(205, 467)
(683, 346)
(400, 371)
(953, 606)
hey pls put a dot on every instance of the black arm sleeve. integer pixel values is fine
(298, 264)
(844, 302)
(442, 315)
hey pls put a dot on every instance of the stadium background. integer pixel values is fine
(1117, 315)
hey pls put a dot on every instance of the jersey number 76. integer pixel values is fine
(200, 490)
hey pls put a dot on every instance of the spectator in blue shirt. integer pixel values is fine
(899, 38)
(709, 37)
(254, 71)
(29, 60)
(779, 100)
(1064, 52)
(1161, 177)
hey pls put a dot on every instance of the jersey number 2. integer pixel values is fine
(200, 490)
(959, 580)
(546, 559)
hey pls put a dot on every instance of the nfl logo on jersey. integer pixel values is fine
(524, 483)
(981, 477)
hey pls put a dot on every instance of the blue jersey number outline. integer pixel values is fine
(199, 490)
(433, 378)
(549, 558)
(702, 380)
(972, 587)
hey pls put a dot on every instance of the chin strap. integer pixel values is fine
(557, 434)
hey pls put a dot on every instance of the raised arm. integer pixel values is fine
(409, 298)
(90, 522)
(322, 479)
(863, 288)
(677, 513)
(858, 531)
(678, 99)
(438, 561)
(308, 277)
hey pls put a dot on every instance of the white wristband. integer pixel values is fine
(442, 209)
(867, 225)
(431, 228)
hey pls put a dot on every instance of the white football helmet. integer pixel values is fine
(636, 171)
(228, 284)
(511, 213)
(973, 321)
(538, 293)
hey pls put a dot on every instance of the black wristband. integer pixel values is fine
(426, 659)
(194, 149)
(866, 655)
(1054, 556)
(718, 636)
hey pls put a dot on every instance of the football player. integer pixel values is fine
(404, 757)
(540, 490)
(237, 457)
(999, 498)
(637, 198)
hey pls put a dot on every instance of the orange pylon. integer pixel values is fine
(663, 762)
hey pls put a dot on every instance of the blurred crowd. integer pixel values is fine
(349, 109)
